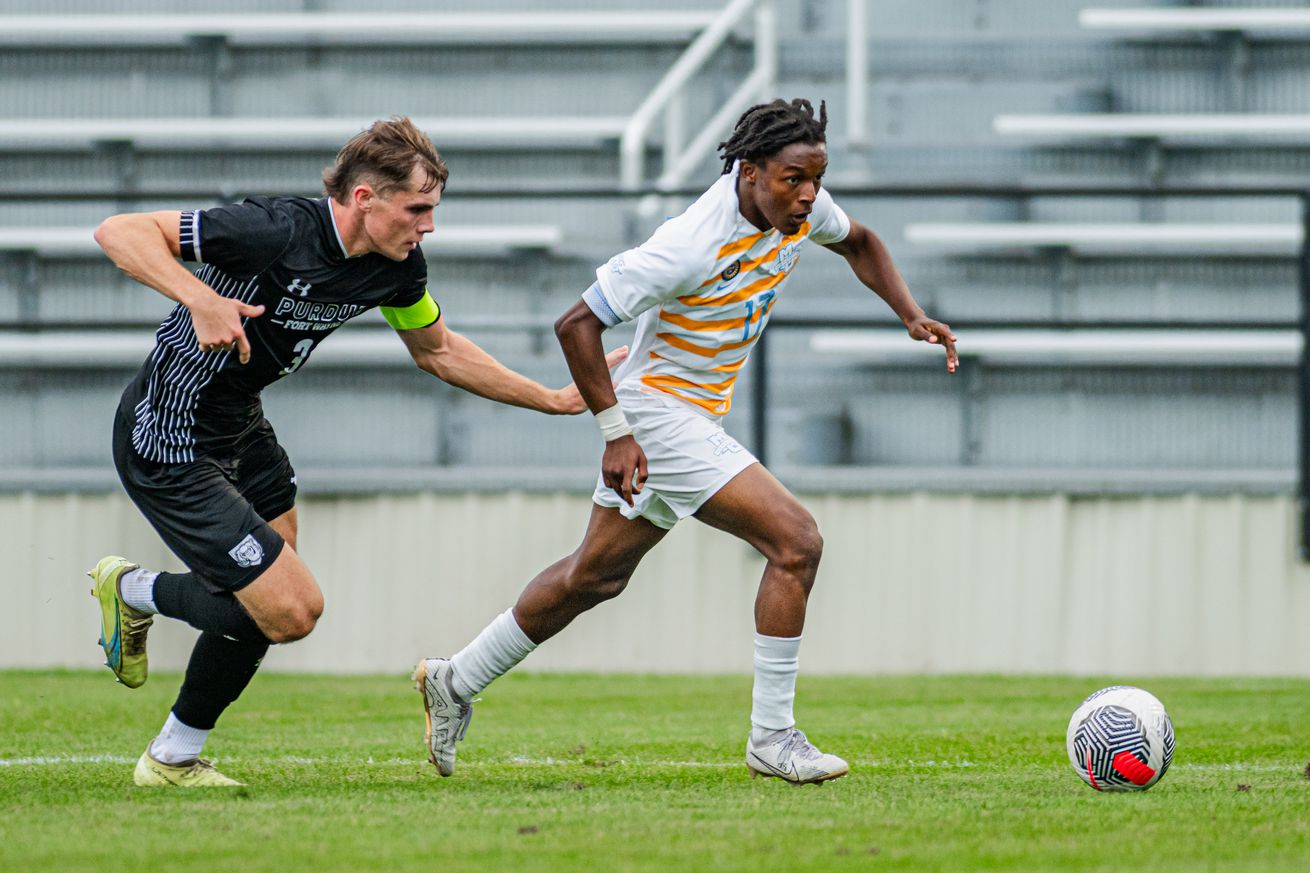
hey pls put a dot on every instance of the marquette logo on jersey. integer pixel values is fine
(787, 257)
(731, 272)
(248, 552)
(309, 315)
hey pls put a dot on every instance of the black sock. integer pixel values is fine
(182, 595)
(219, 670)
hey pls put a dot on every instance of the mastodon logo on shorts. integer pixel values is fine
(248, 552)
(731, 271)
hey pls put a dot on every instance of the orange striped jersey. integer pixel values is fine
(701, 289)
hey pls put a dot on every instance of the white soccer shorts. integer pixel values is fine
(689, 457)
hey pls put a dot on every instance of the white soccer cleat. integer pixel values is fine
(447, 716)
(792, 757)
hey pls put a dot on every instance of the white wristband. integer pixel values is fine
(612, 423)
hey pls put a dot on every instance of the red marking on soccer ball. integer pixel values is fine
(1127, 765)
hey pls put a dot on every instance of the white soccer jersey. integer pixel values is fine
(702, 288)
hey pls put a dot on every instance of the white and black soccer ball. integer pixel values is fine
(1121, 739)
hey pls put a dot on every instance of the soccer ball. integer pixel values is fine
(1121, 739)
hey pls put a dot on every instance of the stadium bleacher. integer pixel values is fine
(1112, 239)
(98, 117)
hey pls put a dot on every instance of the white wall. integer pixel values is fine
(909, 583)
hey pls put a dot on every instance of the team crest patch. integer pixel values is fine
(787, 257)
(248, 552)
(732, 270)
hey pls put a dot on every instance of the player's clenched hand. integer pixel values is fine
(924, 328)
(217, 322)
(569, 399)
(624, 462)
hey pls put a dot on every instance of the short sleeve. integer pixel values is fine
(242, 239)
(658, 270)
(412, 287)
(828, 222)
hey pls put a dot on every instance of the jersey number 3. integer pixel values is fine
(302, 351)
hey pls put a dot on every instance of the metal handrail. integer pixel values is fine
(633, 141)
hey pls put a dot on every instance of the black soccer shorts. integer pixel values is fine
(212, 512)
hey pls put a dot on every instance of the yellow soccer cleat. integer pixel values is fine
(199, 773)
(122, 628)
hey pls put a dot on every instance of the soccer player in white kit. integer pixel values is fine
(701, 289)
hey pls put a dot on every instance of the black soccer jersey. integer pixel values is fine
(286, 254)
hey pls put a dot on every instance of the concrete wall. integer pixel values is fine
(910, 583)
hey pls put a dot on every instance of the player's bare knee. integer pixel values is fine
(596, 587)
(296, 623)
(801, 552)
(297, 618)
(314, 605)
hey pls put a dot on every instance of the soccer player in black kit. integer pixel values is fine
(190, 440)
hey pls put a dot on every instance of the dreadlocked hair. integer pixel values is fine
(768, 128)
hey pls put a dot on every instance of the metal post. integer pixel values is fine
(1303, 378)
(675, 128)
(760, 399)
(857, 72)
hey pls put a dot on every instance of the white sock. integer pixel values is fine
(137, 588)
(500, 646)
(177, 742)
(777, 659)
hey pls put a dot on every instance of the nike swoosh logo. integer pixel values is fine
(768, 766)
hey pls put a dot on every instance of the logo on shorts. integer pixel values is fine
(616, 265)
(723, 444)
(248, 552)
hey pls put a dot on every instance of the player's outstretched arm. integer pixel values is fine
(146, 246)
(455, 359)
(623, 466)
(872, 264)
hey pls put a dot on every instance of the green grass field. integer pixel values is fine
(645, 773)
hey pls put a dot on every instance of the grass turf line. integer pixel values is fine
(569, 772)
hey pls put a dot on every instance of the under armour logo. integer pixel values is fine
(296, 288)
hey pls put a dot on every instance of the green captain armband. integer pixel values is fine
(421, 314)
